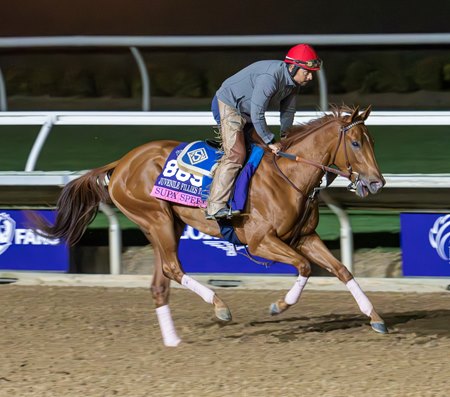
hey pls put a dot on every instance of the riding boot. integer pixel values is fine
(221, 189)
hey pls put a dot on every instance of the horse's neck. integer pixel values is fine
(318, 147)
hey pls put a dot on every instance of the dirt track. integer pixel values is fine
(64, 341)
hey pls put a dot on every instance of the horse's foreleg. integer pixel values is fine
(290, 298)
(274, 249)
(316, 251)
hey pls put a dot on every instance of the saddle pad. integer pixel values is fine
(177, 185)
(199, 158)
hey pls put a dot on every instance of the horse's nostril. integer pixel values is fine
(375, 186)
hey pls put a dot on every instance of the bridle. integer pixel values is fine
(351, 175)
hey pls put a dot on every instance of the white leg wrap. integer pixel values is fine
(363, 302)
(168, 332)
(206, 293)
(294, 293)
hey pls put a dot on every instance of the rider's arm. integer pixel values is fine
(287, 111)
(265, 87)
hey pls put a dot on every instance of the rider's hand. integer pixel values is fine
(275, 147)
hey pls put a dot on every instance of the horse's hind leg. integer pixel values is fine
(316, 251)
(160, 289)
(160, 286)
(167, 243)
(164, 234)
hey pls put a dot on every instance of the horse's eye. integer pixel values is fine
(355, 143)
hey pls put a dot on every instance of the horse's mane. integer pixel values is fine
(299, 131)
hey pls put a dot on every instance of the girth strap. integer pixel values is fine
(296, 236)
(311, 198)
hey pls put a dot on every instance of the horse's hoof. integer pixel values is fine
(172, 342)
(379, 327)
(223, 314)
(274, 309)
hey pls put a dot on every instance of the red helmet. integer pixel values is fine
(304, 56)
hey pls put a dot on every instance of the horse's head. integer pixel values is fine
(355, 151)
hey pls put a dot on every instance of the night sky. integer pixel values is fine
(169, 17)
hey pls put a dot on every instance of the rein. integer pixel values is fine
(324, 168)
(348, 175)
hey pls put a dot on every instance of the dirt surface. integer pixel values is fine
(67, 341)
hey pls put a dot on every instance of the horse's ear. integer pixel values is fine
(354, 114)
(366, 113)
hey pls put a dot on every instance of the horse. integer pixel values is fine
(279, 221)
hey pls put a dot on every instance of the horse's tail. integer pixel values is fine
(77, 205)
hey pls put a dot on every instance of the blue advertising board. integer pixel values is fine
(201, 253)
(425, 241)
(22, 249)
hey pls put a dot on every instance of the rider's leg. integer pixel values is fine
(232, 131)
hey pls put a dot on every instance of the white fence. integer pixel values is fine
(49, 119)
(30, 177)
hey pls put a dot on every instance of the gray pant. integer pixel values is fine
(232, 132)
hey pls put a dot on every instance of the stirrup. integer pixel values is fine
(224, 212)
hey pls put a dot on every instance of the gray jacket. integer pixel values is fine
(261, 86)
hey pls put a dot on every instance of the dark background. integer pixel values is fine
(201, 17)
(388, 77)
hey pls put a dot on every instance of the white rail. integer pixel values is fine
(204, 118)
(225, 41)
(60, 178)
(48, 119)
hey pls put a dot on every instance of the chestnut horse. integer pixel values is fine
(273, 226)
